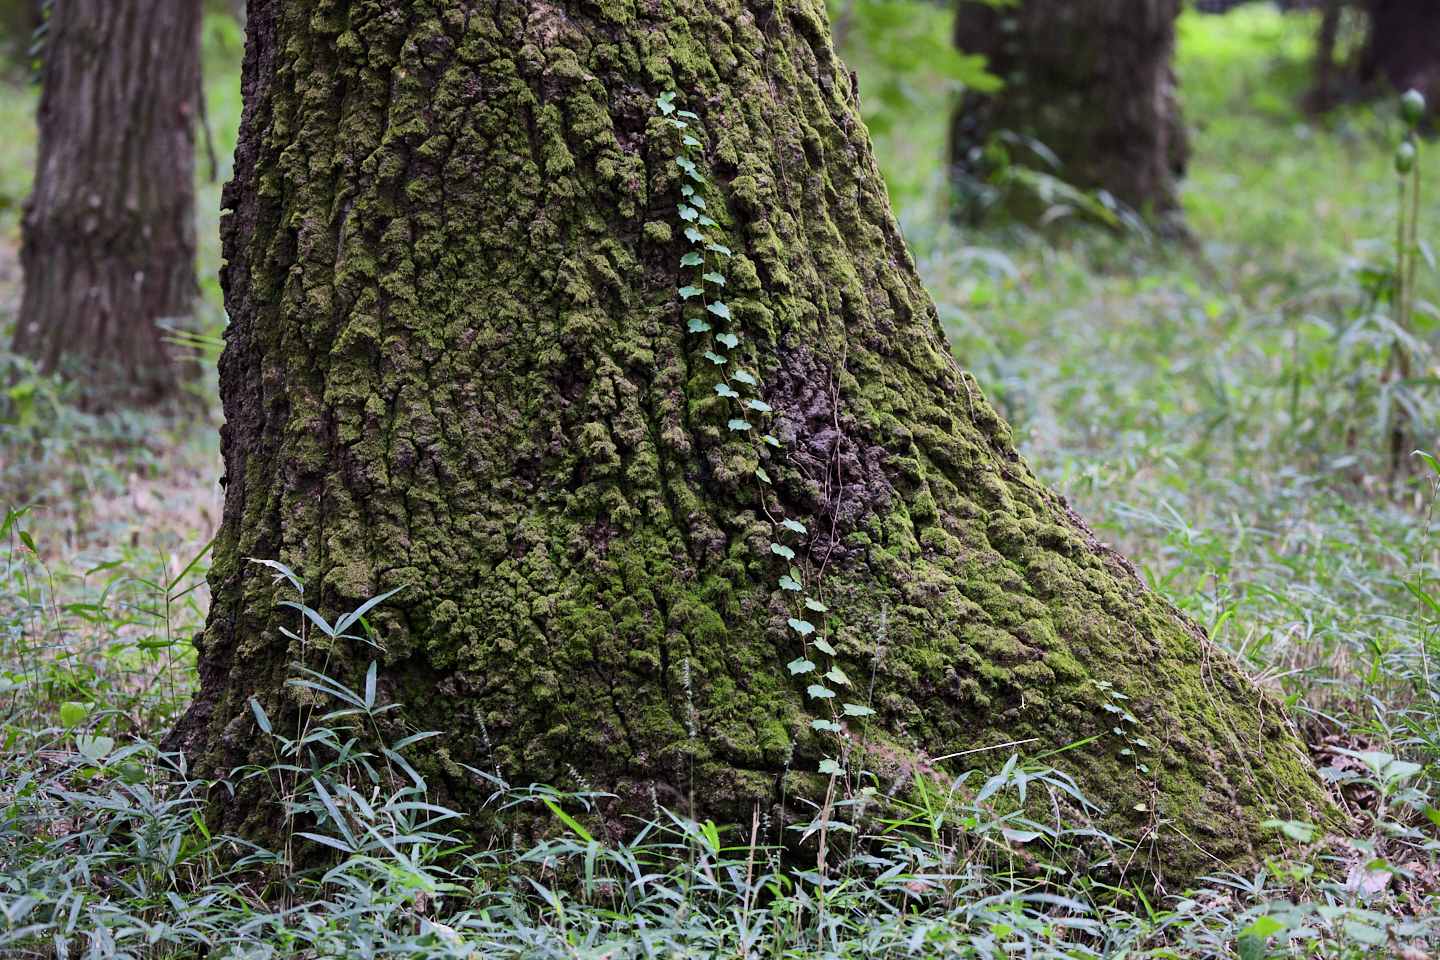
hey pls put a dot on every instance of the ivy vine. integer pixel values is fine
(714, 321)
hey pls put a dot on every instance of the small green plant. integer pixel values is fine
(1127, 725)
(722, 331)
(1407, 354)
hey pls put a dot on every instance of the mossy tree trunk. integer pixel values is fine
(458, 364)
(109, 228)
(1091, 80)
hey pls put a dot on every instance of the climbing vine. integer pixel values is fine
(714, 321)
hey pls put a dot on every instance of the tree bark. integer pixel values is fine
(1092, 80)
(108, 244)
(458, 364)
(1403, 48)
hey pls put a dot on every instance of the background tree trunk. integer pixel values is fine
(1403, 49)
(1092, 80)
(458, 364)
(1323, 97)
(108, 232)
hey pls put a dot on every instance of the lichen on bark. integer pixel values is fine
(458, 363)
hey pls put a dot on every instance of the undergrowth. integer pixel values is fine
(105, 851)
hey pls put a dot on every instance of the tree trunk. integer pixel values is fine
(458, 364)
(108, 245)
(1403, 49)
(1323, 97)
(1091, 80)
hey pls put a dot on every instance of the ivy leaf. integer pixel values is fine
(795, 525)
(729, 339)
(795, 575)
(744, 377)
(714, 357)
(664, 102)
(760, 405)
(688, 214)
(838, 675)
(707, 222)
(687, 113)
(760, 472)
(823, 646)
(771, 440)
(714, 277)
(724, 390)
(788, 584)
(802, 627)
(698, 325)
(693, 235)
(72, 713)
(782, 550)
(825, 725)
(719, 309)
(815, 690)
(691, 260)
(684, 164)
(695, 198)
(690, 141)
(816, 605)
(739, 425)
(855, 710)
(687, 292)
(830, 767)
(94, 749)
(800, 665)
(718, 248)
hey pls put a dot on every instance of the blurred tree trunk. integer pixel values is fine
(1326, 70)
(108, 232)
(1403, 49)
(458, 365)
(1091, 80)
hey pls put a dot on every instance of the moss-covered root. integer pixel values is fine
(458, 363)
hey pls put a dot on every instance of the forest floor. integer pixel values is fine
(1215, 406)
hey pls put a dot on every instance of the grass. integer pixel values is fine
(1217, 409)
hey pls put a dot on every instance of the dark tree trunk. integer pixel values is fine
(109, 228)
(458, 364)
(1092, 80)
(1403, 49)
(1326, 69)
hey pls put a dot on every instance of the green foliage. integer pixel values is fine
(905, 46)
(910, 77)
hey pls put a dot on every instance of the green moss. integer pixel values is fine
(459, 365)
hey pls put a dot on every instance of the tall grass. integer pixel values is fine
(104, 851)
